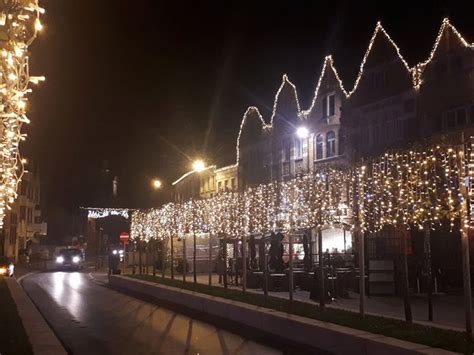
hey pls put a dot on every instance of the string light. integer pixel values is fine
(20, 27)
(96, 213)
(403, 189)
(415, 72)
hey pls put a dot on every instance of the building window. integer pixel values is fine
(226, 185)
(331, 144)
(461, 116)
(298, 148)
(286, 150)
(233, 184)
(319, 146)
(12, 235)
(456, 117)
(219, 186)
(22, 213)
(409, 106)
(23, 187)
(329, 105)
(29, 217)
(378, 80)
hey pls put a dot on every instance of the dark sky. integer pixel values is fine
(148, 85)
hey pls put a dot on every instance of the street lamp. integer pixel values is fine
(303, 133)
(156, 184)
(199, 165)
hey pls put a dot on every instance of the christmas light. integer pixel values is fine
(19, 26)
(96, 213)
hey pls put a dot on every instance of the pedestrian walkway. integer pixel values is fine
(448, 309)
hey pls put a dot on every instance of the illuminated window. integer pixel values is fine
(298, 148)
(329, 105)
(319, 146)
(330, 144)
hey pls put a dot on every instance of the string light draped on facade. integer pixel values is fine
(403, 189)
(19, 25)
(308, 201)
(412, 188)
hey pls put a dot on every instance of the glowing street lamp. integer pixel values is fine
(199, 165)
(157, 184)
(302, 132)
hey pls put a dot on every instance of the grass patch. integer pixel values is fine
(13, 338)
(430, 336)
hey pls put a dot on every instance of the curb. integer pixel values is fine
(314, 333)
(42, 339)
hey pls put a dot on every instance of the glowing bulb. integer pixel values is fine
(199, 165)
(156, 183)
(38, 25)
(302, 132)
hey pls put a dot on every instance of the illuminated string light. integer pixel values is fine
(20, 27)
(415, 72)
(403, 189)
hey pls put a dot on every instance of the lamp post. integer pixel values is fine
(198, 166)
(303, 133)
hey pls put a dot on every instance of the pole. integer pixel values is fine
(429, 276)
(153, 258)
(210, 260)
(244, 263)
(321, 271)
(465, 171)
(163, 257)
(172, 257)
(406, 292)
(140, 264)
(265, 267)
(361, 272)
(224, 254)
(194, 242)
(360, 237)
(290, 275)
(147, 252)
(184, 259)
(194, 257)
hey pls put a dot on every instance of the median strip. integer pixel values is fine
(369, 332)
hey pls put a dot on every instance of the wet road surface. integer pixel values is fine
(92, 319)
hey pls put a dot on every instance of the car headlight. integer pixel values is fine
(60, 259)
(3, 270)
(114, 252)
(76, 259)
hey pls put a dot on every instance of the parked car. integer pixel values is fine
(6, 267)
(69, 259)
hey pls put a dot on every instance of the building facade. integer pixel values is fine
(206, 183)
(24, 223)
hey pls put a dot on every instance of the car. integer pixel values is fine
(6, 267)
(69, 259)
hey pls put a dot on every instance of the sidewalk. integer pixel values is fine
(448, 310)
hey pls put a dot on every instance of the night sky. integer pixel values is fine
(148, 85)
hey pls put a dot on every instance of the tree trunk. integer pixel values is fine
(322, 293)
(405, 283)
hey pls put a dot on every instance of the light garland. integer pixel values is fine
(415, 72)
(19, 26)
(96, 213)
(403, 189)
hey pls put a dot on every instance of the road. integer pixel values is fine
(90, 318)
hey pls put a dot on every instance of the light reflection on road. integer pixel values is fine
(93, 319)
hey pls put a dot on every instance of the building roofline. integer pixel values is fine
(184, 176)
